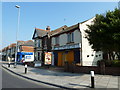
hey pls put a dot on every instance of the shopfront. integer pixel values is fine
(26, 56)
(66, 53)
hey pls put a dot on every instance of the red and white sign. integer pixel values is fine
(48, 56)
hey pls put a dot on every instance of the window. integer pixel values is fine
(57, 40)
(70, 37)
(37, 43)
(87, 55)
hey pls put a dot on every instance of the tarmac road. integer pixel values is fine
(10, 80)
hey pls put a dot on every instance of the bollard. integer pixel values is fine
(25, 68)
(92, 79)
(9, 64)
(15, 65)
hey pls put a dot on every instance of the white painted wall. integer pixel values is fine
(86, 48)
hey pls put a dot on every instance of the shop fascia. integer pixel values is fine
(78, 45)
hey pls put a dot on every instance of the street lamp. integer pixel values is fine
(17, 34)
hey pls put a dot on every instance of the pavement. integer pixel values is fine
(64, 79)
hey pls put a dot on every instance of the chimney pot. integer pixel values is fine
(48, 28)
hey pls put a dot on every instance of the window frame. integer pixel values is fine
(70, 37)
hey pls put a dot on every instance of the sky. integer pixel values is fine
(43, 14)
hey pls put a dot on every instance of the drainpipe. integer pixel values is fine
(81, 45)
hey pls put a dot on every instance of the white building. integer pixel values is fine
(70, 45)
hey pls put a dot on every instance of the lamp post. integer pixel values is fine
(17, 35)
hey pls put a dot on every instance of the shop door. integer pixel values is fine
(70, 57)
(59, 58)
(63, 58)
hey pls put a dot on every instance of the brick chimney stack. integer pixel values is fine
(48, 28)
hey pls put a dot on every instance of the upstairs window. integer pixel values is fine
(70, 37)
(37, 43)
(57, 40)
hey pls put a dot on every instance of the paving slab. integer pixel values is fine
(64, 79)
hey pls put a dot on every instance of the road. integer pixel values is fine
(10, 80)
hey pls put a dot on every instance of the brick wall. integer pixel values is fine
(86, 69)
(112, 70)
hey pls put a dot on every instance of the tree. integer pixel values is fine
(104, 34)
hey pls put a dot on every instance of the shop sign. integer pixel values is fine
(48, 57)
(29, 58)
(68, 46)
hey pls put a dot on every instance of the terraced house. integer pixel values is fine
(70, 45)
(23, 47)
(42, 43)
(67, 44)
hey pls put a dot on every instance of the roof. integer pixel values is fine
(40, 32)
(56, 31)
(67, 29)
(73, 27)
(24, 43)
(27, 49)
(28, 43)
(63, 29)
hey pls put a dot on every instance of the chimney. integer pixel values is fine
(48, 28)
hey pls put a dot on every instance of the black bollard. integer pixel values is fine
(9, 64)
(92, 80)
(25, 68)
